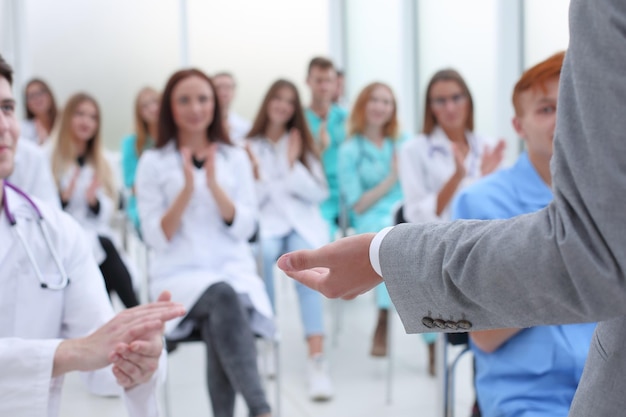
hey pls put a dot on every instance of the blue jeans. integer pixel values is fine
(310, 301)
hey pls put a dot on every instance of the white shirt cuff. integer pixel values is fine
(375, 249)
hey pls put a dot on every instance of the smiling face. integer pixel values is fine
(193, 105)
(85, 121)
(379, 108)
(225, 90)
(281, 107)
(9, 129)
(322, 82)
(449, 104)
(149, 106)
(38, 99)
(536, 120)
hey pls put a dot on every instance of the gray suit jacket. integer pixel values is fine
(564, 264)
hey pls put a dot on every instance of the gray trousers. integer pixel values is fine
(231, 351)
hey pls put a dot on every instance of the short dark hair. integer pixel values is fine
(320, 62)
(6, 71)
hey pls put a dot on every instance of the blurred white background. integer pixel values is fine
(111, 48)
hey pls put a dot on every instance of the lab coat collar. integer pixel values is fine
(439, 142)
(19, 208)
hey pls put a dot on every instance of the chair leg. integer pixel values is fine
(390, 358)
(277, 407)
(166, 393)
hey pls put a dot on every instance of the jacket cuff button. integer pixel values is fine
(428, 322)
(464, 324)
(439, 323)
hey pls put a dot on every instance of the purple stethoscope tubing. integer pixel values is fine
(65, 280)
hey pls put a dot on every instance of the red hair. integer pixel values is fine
(537, 77)
(357, 115)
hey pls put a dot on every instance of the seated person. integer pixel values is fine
(88, 191)
(197, 206)
(533, 371)
(146, 125)
(49, 327)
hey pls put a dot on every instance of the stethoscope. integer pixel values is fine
(434, 149)
(65, 280)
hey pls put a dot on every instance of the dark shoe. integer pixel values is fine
(379, 345)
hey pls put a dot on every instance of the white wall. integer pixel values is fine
(462, 35)
(112, 48)
(378, 50)
(259, 41)
(546, 29)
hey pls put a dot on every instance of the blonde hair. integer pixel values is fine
(141, 127)
(358, 121)
(64, 153)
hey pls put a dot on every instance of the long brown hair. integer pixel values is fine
(446, 75)
(358, 121)
(167, 126)
(64, 154)
(297, 121)
(52, 112)
(141, 126)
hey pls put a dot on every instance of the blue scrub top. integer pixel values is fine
(362, 166)
(536, 372)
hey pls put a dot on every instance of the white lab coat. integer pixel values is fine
(426, 163)
(204, 250)
(28, 131)
(238, 128)
(33, 321)
(94, 225)
(32, 173)
(289, 198)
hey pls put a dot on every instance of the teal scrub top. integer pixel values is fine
(130, 159)
(336, 127)
(536, 372)
(362, 166)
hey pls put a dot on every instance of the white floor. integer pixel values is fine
(360, 381)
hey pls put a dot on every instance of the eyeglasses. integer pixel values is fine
(35, 94)
(456, 99)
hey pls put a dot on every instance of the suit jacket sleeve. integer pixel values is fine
(563, 264)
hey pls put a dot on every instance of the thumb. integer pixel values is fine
(165, 296)
(297, 261)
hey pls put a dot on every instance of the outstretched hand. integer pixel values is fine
(341, 269)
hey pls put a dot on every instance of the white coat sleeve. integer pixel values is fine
(86, 308)
(26, 375)
(151, 201)
(107, 208)
(262, 184)
(308, 185)
(420, 202)
(246, 218)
